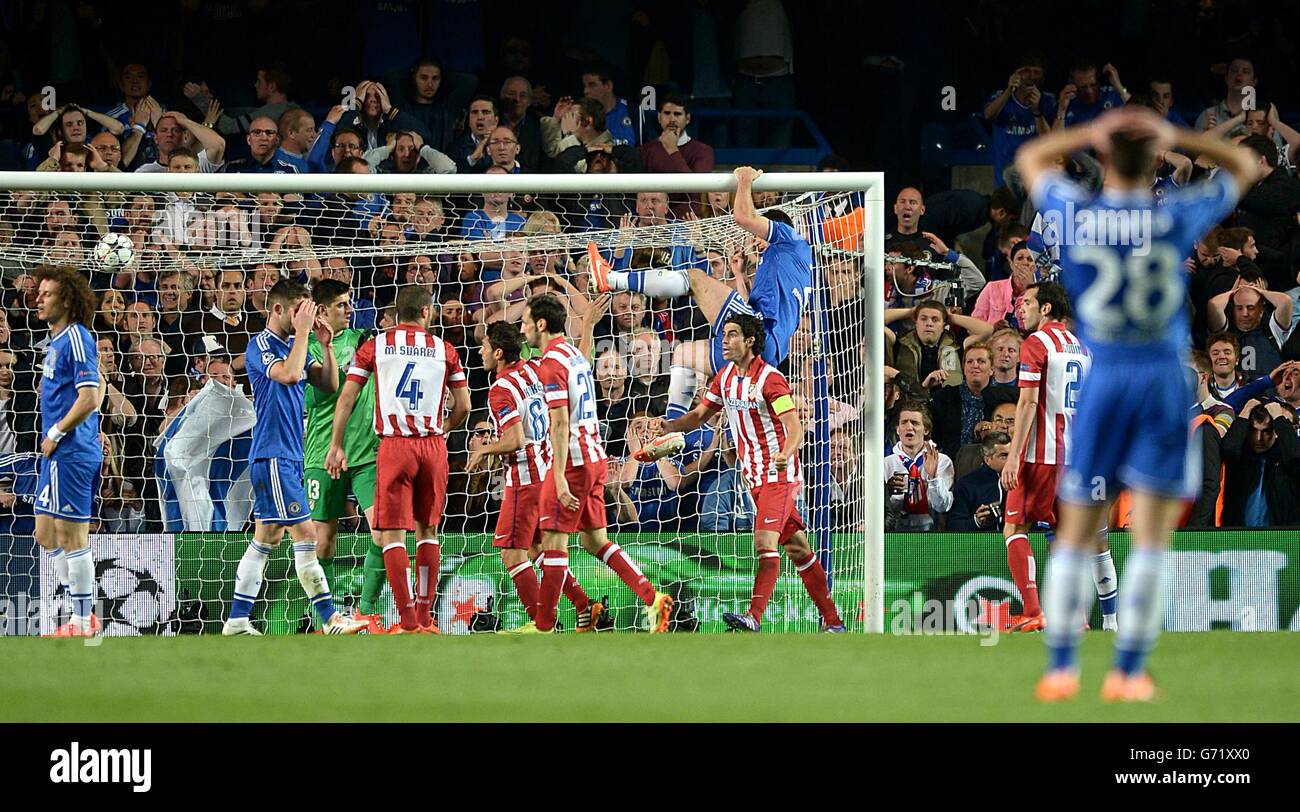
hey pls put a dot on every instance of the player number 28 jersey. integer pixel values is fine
(567, 380)
(516, 396)
(1054, 362)
(413, 372)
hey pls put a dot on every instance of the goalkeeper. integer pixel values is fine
(782, 286)
(326, 497)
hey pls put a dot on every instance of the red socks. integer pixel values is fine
(428, 556)
(769, 567)
(574, 591)
(814, 581)
(555, 569)
(617, 560)
(398, 566)
(1020, 559)
(526, 587)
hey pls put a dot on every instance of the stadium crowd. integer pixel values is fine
(172, 323)
(953, 378)
(180, 316)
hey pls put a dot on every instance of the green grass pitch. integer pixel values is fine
(1211, 676)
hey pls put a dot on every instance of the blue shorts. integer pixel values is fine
(278, 493)
(66, 488)
(1132, 427)
(779, 298)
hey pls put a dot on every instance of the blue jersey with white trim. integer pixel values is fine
(1121, 256)
(71, 364)
(279, 406)
(783, 281)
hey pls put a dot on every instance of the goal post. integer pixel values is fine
(837, 366)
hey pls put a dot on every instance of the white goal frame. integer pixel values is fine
(871, 185)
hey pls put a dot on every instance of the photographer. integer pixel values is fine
(978, 499)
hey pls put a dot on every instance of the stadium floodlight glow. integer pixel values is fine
(842, 214)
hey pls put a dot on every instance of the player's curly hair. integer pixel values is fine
(750, 327)
(75, 289)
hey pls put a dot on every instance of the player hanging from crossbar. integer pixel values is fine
(760, 408)
(782, 286)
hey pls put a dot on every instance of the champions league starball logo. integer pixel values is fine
(129, 596)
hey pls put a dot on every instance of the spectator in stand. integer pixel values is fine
(109, 149)
(1261, 334)
(905, 283)
(1261, 458)
(470, 150)
(1000, 299)
(297, 133)
(978, 501)
(909, 208)
(263, 134)
(576, 133)
(8, 437)
(929, 355)
(1005, 344)
(503, 150)
(228, 321)
(474, 499)
(168, 136)
(654, 487)
(918, 477)
(674, 150)
(406, 153)
(1269, 209)
(146, 389)
(261, 278)
(139, 322)
(177, 322)
(1224, 349)
(271, 87)
(612, 403)
(1162, 99)
(1288, 390)
(957, 410)
(72, 124)
(435, 99)
(648, 387)
(598, 83)
(516, 101)
(1264, 122)
(1018, 113)
(376, 116)
(1002, 417)
(1239, 75)
(1085, 98)
(116, 409)
(847, 487)
(491, 222)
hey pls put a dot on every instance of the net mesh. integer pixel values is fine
(195, 293)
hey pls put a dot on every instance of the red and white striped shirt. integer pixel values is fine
(516, 396)
(1054, 362)
(415, 372)
(755, 401)
(567, 380)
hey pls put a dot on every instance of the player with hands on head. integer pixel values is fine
(279, 368)
(1130, 428)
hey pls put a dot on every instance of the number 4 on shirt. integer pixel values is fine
(408, 388)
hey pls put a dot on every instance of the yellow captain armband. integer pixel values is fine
(783, 404)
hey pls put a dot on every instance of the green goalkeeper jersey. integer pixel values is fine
(360, 442)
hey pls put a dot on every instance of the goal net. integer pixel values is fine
(173, 325)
